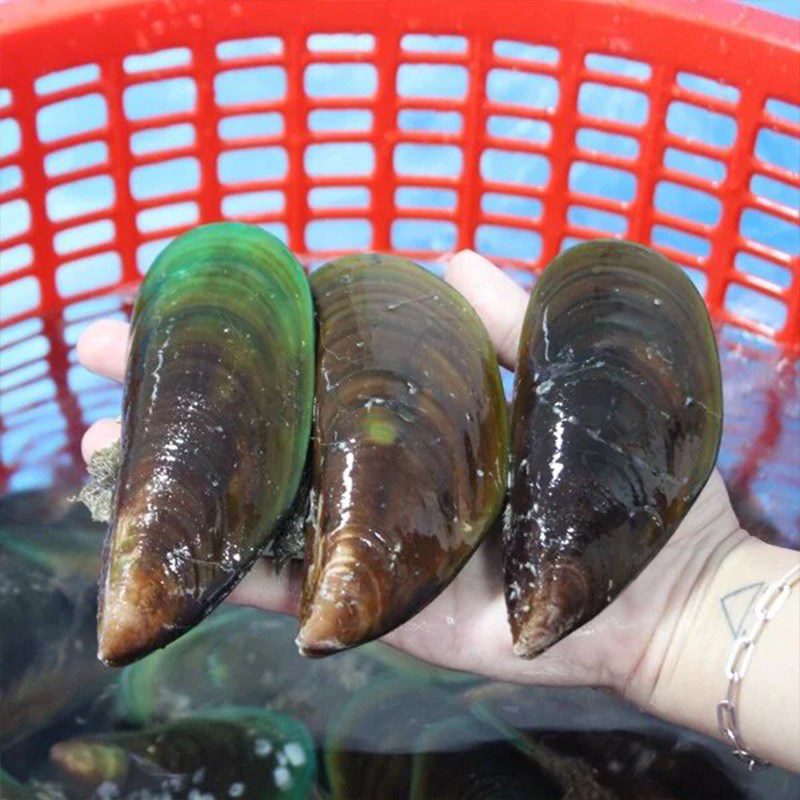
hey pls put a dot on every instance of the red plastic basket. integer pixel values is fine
(751, 58)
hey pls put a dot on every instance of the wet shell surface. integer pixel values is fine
(410, 449)
(215, 434)
(616, 424)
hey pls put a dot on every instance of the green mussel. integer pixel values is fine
(410, 450)
(617, 416)
(215, 431)
(230, 752)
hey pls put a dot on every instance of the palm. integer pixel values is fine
(465, 627)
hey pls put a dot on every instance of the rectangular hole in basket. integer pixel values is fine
(594, 218)
(433, 43)
(85, 274)
(81, 380)
(339, 197)
(755, 306)
(19, 297)
(692, 204)
(666, 236)
(613, 103)
(172, 215)
(10, 137)
(422, 197)
(72, 117)
(250, 85)
(27, 396)
(82, 237)
(15, 219)
(535, 131)
(612, 144)
(763, 268)
(708, 86)
(617, 65)
(783, 109)
(19, 332)
(246, 126)
(423, 119)
(445, 81)
(441, 160)
(160, 60)
(338, 234)
(165, 177)
(709, 169)
(524, 169)
(525, 51)
(698, 124)
(600, 181)
(357, 120)
(159, 98)
(277, 229)
(252, 164)
(66, 79)
(93, 308)
(157, 140)
(10, 379)
(13, 259)
(784, 194)
(249, 205)
(340, 80)
(422, 234)
(779, 149)
(772, 231)
(148, 252)
(341, 42)
(71, 159)
(697, 277)
(6, 97)
(526, 89)
(249, 48)
(513, 204)
(345, 158)
(503, 241)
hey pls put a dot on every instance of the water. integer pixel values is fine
(371, 722)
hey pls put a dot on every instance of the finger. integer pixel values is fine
(265, 587)
(103, 348)
(101, 434)
(498, 299)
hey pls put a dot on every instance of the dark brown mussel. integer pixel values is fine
(410, 447)
(215, 431)
(616, 425)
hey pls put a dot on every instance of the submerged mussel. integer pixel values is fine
(410, 447)
(48, 606)
(616, 425)
(229, 752)
(215, 434)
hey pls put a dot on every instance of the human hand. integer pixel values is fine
(466, 628)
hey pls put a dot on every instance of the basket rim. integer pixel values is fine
(723, 15)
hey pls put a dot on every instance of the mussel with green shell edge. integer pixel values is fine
(227, 752)
(617, 417)
(215, 431)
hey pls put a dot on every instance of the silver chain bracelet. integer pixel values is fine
(765, 609)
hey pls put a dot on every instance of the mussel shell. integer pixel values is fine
(231, 752)
(216, 428)
(48, 609)
(616, 424)
(484, 770)
(410, 450)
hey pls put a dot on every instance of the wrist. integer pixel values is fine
(692, 676)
